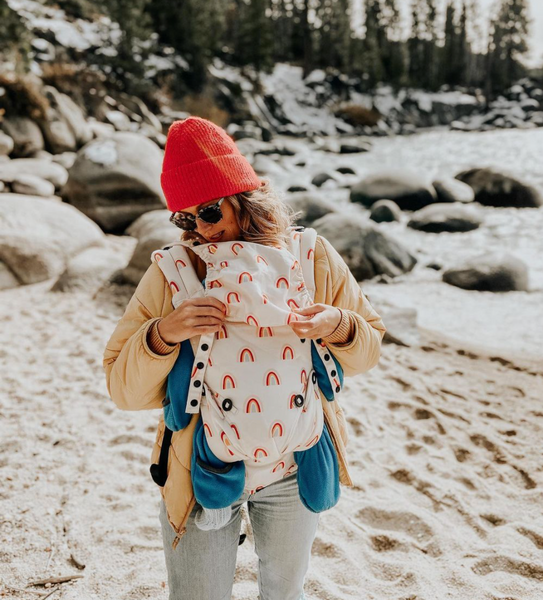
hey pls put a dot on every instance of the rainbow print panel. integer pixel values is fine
(272, 378)
(228, 382)
(277, 429)
(253, 406)
(287, 353)
(265, 332)
(246, 355)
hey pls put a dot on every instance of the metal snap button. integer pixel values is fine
(200, 365)
(205, 347)
(333, 373)
(227, 404)
(338, 388)
(194, 402)
(319, 341)
(314, 377)
(197, 383)
(299, 400)
(326, 357)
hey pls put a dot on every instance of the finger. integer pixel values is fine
(309, 310)
(208, 320)
(210, 311)
(209, 301)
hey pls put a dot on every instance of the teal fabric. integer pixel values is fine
(177, 389)
(322, 375)
(318, 474)
(216, 484)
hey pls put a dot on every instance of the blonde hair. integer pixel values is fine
(263, 217)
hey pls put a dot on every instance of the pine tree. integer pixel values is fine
(14, 38)
(509, 30)
(254, 45)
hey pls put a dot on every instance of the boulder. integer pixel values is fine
(297, 188)
(312, 207)
(26, 135)
(43, 168)
(321, 178)
(119, 120)
(453, 190)
(6, 144)
(401, 324)
(442, 217)
(408, 189)
(115, 180)
(366, 250)
(66, 159)
(494, 188)
(151, 221)
(141, 258)
(346, 171)
(495, 272)
(89, 270)
(38, 237)
(385, 211)
(354, 148)
(32, 186)
(65, 128)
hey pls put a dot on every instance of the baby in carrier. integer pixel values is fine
(255, 383)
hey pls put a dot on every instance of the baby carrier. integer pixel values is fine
(255, 383)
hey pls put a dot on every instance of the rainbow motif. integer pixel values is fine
(291, 401)
(209, 362)
(174, 287)
(236, 247)
(292, 303)
(264, 299)
(288, 353)
(228, 382)
(224, 264)
(180, 263)
(253, 406)
(251, 320)
(260, 487)
(296, 235)
(207, 430)
(272, 378)
(301, 286)
(265, 332)
(158, 256)
(210, 265)
(245, 276)
(295, 265)
(260, 453)
(246, 355)
(212, 248)
(277, 430)
(261, 259)
(310, 254)
(226, 442)
(222, 334)
(232, 297)
(312, 442)
(194, 371)
(292, 317)
(279, 465)
(282, 282)
(303, 377)
(235, 430)
(215, 284)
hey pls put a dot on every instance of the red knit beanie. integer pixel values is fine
(201, 163)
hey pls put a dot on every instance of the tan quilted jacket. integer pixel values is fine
(136, 374)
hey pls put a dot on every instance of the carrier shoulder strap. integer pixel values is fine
(174, 262)
(302, 246)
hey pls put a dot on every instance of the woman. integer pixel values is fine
(215, 196)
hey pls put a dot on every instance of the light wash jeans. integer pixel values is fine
(203, 565)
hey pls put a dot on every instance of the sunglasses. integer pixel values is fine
(210, 214)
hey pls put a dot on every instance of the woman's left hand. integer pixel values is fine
(315, 321)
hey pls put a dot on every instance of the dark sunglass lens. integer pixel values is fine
(212, 214)
(183, 222)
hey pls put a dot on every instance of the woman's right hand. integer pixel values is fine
(195, 316)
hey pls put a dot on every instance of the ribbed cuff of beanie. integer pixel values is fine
(343, 332)
(156, 343)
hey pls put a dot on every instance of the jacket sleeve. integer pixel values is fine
(335, 285)
(135, 375)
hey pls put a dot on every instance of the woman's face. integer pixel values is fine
(227, 229)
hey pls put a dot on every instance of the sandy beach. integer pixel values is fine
(445, 444)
